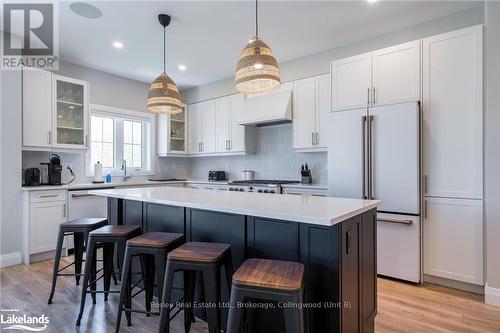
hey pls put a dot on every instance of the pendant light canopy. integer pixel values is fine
(257, 69)
(164, 96)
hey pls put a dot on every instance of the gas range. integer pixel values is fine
(259, 185)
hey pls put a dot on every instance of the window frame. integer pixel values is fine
(148, 140)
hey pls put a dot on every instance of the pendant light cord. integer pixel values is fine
(164, 53)
(256, 18)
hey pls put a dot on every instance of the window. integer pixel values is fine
(102, 141)
(118, 135)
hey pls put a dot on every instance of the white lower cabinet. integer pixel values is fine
(453, 239)
(315, 192)
(43, 212)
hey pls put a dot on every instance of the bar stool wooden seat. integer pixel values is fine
(154, 247)
(107, 236)
(271, 280)
(193, 257)
(80, 229)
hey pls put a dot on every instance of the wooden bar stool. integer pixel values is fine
(271, 280)
(154, 247)
(106, 236)
(80, 229)
(207, 258)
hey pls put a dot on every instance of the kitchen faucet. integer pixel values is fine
(124, 168)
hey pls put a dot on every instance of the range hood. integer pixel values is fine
(268, 109)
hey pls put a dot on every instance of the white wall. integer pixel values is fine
(492, 151)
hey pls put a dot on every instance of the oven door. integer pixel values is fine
(398, 246)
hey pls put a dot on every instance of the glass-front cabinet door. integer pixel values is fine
(172, 139)
(71, 105)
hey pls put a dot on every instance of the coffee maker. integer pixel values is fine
(55, 170)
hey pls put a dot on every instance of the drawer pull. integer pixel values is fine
(397, 221)
(49, 196)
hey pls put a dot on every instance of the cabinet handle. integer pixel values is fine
(368, 96)
(374, 95)
(317, 138)
(230, 144)
(203, 146)
(86, 140)
(227, 147)
(49, 196)
(64, 210)
(312, 138)
(363, 156)
(199, 147)
(407, 222)
(82, 195)
(49, 137)
(348, 242)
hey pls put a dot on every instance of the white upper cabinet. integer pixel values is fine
(55, 111)
(323, 95)
(386, 76)
(194, 128)
(37, 108)
(172, 139)
(453, 108)
(239, 133)
(396, 74)
(70, 113)
(208, 127)
(311, 104)
(222, 114)
(304, 120)
(351, 82)
(453, 239)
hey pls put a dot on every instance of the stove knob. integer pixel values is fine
(266, 191)
(242, 189)
(260, 191)
(272, 191)
(231, 189)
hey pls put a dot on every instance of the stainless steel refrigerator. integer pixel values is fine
(374, 153)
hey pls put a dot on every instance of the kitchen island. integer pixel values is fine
(335, 238)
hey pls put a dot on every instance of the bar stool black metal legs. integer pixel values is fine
(153, 246)
(108, 236)
(80, 229)
(207, 258)
(271, 280)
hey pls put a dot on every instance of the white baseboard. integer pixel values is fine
(10, 259)
(492, 295)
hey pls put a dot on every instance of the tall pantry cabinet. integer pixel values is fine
(452, 102)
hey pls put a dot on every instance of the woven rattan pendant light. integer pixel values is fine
(257, 69)
(164, 97)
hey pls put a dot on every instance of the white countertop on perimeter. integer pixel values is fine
(324, 211)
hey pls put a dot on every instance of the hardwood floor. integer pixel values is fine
(402, 307)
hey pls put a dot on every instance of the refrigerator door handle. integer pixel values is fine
(370, 159)
(363, 156)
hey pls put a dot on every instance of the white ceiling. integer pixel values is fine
(208, 36)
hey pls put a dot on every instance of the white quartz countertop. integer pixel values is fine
(324, 211)
(87, 186)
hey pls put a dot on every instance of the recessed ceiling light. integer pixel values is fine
(372, 1)
(86, 10)
(118, 45)
(182, 67)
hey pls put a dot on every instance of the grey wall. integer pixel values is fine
(10, 160)
(278, 151)
(492, 144)
(320, 63)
